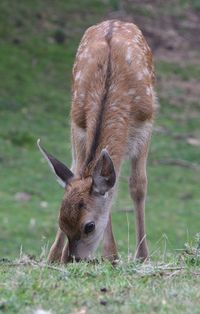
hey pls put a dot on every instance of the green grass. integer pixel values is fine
(128, 287)
(35, 102)
(63, 292)
(185, 73)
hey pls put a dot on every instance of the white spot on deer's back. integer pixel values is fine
(78, 76)
(110, 126)
(75, 94)
(129, 55)
(114, 104)
(131, 92)
(117, 23)
(85, 54)
(82, 95)
(121, 119)
(113, 88)
(136, 40)
(114, 108)
(146, 72)
(149, 91)
(137, 98)
(140, 76)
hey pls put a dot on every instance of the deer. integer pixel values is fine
(112, 115)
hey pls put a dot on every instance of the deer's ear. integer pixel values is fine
(104, 175)
(63, 174)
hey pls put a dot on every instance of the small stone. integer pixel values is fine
(22, 197)
(44, 204)
(164, 302)
(81, 311)
(193, 141)
(32, 223)
(41, 311)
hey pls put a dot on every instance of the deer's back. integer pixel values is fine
(113, 80)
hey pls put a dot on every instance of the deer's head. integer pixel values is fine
(84, 210)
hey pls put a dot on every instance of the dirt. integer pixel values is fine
(172, 37)
(179, 92)
(172, 31)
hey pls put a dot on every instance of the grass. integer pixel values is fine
(83, 288)
(35, 102)
(185, 73)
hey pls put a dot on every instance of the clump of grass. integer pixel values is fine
(128, 287)
(191, 252)
(20, 138)
(186, 73)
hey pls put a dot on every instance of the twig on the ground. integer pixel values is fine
(34, 264)
(54, 268)
(145, 270)
(195, 273)
(175, 273)
(164, 270)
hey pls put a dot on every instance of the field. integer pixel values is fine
(38, 45)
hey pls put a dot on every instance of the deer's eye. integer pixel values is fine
(89, 227)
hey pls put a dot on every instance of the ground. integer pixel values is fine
(38, 44)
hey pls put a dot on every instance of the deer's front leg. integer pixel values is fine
(109, 246)
(138, 187)
(57, 248)
(65, 258)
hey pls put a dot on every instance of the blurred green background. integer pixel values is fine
(38, 42)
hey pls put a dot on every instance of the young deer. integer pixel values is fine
(111, 116)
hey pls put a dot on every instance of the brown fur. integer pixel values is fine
(113, 107)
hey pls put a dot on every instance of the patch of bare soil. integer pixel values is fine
(171, 31)
(179, 92)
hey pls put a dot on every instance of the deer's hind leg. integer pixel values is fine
(138, 189)
(109, 245)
